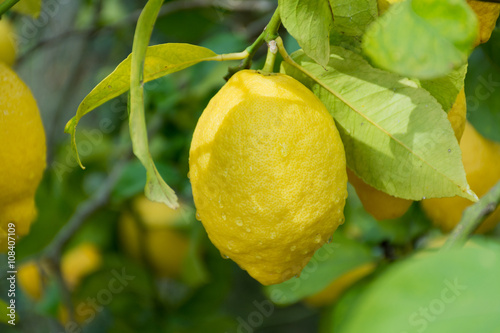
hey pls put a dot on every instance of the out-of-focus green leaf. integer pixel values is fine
(482, 86)
(452, 291)
(194, 272)
(422, 38)
(309, 22)
(396, 136)
(328, 263)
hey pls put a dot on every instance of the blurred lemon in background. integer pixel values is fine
(147, 233)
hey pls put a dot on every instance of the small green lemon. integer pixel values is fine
(268, 174)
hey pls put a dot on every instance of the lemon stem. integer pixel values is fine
(271, 57)
(473, 217)
(269, 33)
(6, 5)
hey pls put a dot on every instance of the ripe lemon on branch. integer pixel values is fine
(268, 173)
(22, 155)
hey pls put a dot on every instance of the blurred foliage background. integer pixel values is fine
(63, 55)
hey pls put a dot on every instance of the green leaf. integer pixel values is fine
(309, 22)
(28, 7)
(396, 136)
(445, 89)
(445, 30)
(351, 18)
(160, 60)
(156, 188)
(328, 263)
(452, 291)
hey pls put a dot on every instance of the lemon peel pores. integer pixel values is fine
(22, 155)
(267, 169)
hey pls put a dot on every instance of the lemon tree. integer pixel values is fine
(297, 194)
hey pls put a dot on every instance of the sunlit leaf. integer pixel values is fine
(396, 136)
(445, 31)
(309, 22)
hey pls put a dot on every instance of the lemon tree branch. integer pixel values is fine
(270, 33)
(473, 217)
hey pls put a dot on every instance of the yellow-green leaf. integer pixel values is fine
(396, 135)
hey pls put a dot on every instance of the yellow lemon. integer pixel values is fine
(147, 233)
(76, 264)
(268, 174)
(335, 289)
(380, 205)
(481, 160)
(487, 14)
(79, 263)
(383, 206)
(22, 156)
(458, 114)
(29, 279)
(8, 47)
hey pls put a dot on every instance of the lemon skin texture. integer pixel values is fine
(481, 160)
(335, 289)
(268, 175)
(8, 49)
(147, 233)
(22, 156)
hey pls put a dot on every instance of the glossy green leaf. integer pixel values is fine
(328, 263)
(452, 291)
(396, 136)
(28, 7)
(352, 17)
(445, 30)
(309, 22)
(445, 89)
